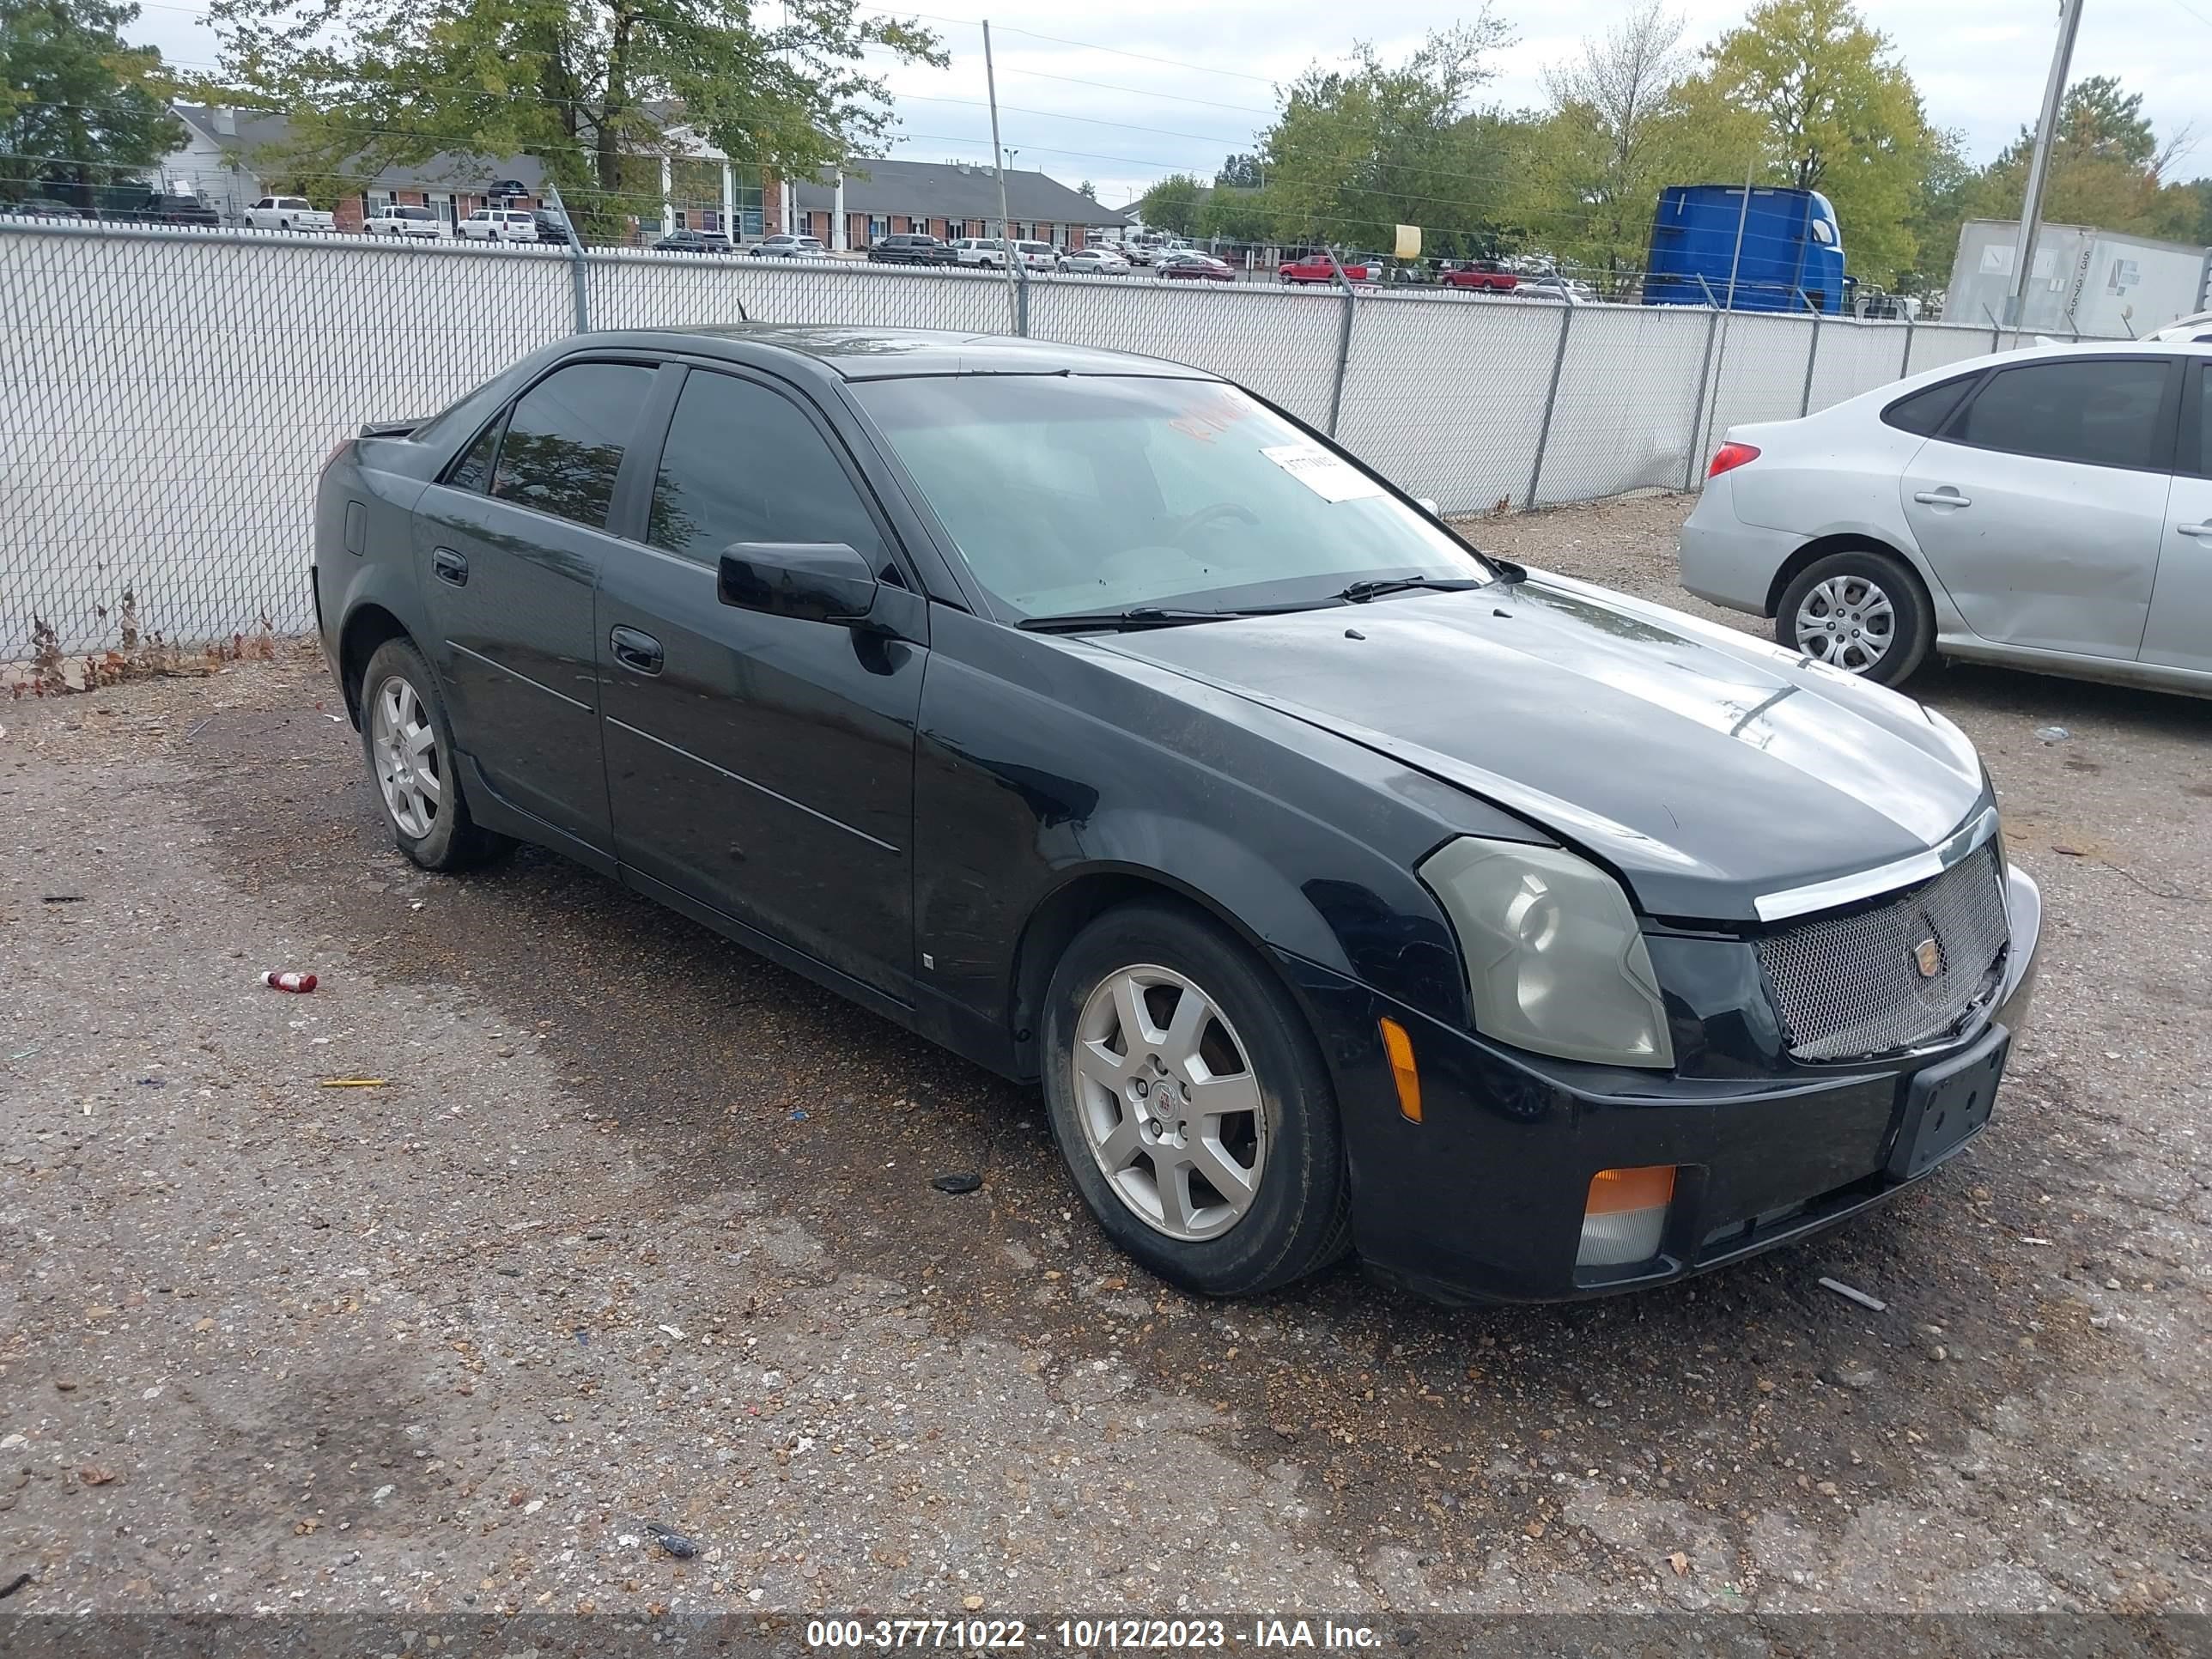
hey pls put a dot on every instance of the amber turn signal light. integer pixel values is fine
(1400, 1048)
(1626, 1215)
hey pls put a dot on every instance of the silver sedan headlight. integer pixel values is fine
(1555, 962)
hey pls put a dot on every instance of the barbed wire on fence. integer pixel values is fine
(168, 395)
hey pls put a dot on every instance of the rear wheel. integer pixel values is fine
(1860, 610)
(410, 746)
(1191, 1104)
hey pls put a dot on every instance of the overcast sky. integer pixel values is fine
(1177, 84)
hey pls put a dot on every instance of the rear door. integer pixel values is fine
(509, 545)
(2041, 502)
(2180, 631)
(762, 765)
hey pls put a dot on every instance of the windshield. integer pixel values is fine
(1070, 495)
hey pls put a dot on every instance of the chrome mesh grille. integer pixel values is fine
(1848, 986)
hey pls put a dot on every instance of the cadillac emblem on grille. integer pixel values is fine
(1927, 957)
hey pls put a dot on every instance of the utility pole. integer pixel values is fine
(998, 160)
(2038, 167)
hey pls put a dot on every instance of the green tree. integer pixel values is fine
(1833, 110)
(584, 87)
(1087, 188)
(1172, 204)
(1355, 152)
(78, 107)
(2107, 169)
(1241, 171)
(1947, 188)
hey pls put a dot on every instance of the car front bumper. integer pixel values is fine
(1482, 1199)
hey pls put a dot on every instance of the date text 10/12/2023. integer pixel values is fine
(1116, 1635)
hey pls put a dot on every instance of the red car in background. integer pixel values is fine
(1479, 273)
(1315, 268)
(1190, 265)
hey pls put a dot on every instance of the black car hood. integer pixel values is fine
(1704, 766)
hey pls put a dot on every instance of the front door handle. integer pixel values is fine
(2193, 529)
(451, 567)
(639, 652)
(1946, 496)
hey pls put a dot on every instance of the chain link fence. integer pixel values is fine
(167, 396)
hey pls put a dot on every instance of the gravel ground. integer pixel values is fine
(638, 1229)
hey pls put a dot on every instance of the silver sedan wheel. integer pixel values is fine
(1846, 622)
(1169, 1103)
(405, 745)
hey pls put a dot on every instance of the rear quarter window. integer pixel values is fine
(1923, 411)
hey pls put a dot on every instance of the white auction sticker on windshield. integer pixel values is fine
(1329, 476)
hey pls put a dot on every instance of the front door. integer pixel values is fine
(509, 547)
(2180, 631)
(762, 765)
(2041, 503)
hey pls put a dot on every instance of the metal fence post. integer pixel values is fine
(1812, 356)
(1021, 295)
(578, 284)
(1697, 408)
(1343, 344)
(1905, 363)
(1551, 399)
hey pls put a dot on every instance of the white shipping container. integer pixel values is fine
(2095, 283)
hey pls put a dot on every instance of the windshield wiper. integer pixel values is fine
(1360, 592)
(1144, 616)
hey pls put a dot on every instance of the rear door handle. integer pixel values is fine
(639, 652)
(1944, 497)
(2193, 529)
(451, 567)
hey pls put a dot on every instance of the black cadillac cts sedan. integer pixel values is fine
(1341, 888)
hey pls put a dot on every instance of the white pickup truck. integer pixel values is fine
(288, 213)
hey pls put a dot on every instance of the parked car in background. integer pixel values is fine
(1142, 769)
(2197, 330)
(1095, 262)
(695, 241)
(1038, 256)
(405, 222)
(1478, 274)
(2050, 508)
(288, 213)
(41, 207)
(167, 208)
(1316, 268)
(1552, 286)
(500, 225)
(786, 246)
(910, 248)
(1149, 249)
(551, 228)
(1188, 265)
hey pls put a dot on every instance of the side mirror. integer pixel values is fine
(813, 582)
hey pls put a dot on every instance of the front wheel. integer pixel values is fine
(1860, 610)
(1191, 1104)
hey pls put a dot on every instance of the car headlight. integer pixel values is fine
(1555, 960)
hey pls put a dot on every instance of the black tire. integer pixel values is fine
(451, 839)
(1912, 617)
(1298, 1219)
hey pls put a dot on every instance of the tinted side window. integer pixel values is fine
(2102, 414)
(1929, 408)
(742, 464)
(473, 470)
(2204, 459)
(564, 441)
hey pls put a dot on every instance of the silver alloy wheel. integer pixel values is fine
(406, 749)
(1846, 622)
(1169, 1103)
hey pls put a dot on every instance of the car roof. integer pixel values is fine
(855, 353)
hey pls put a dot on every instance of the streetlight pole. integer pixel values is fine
(998, 156)
(2038, 166)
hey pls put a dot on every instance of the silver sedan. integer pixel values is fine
(2048, 508)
